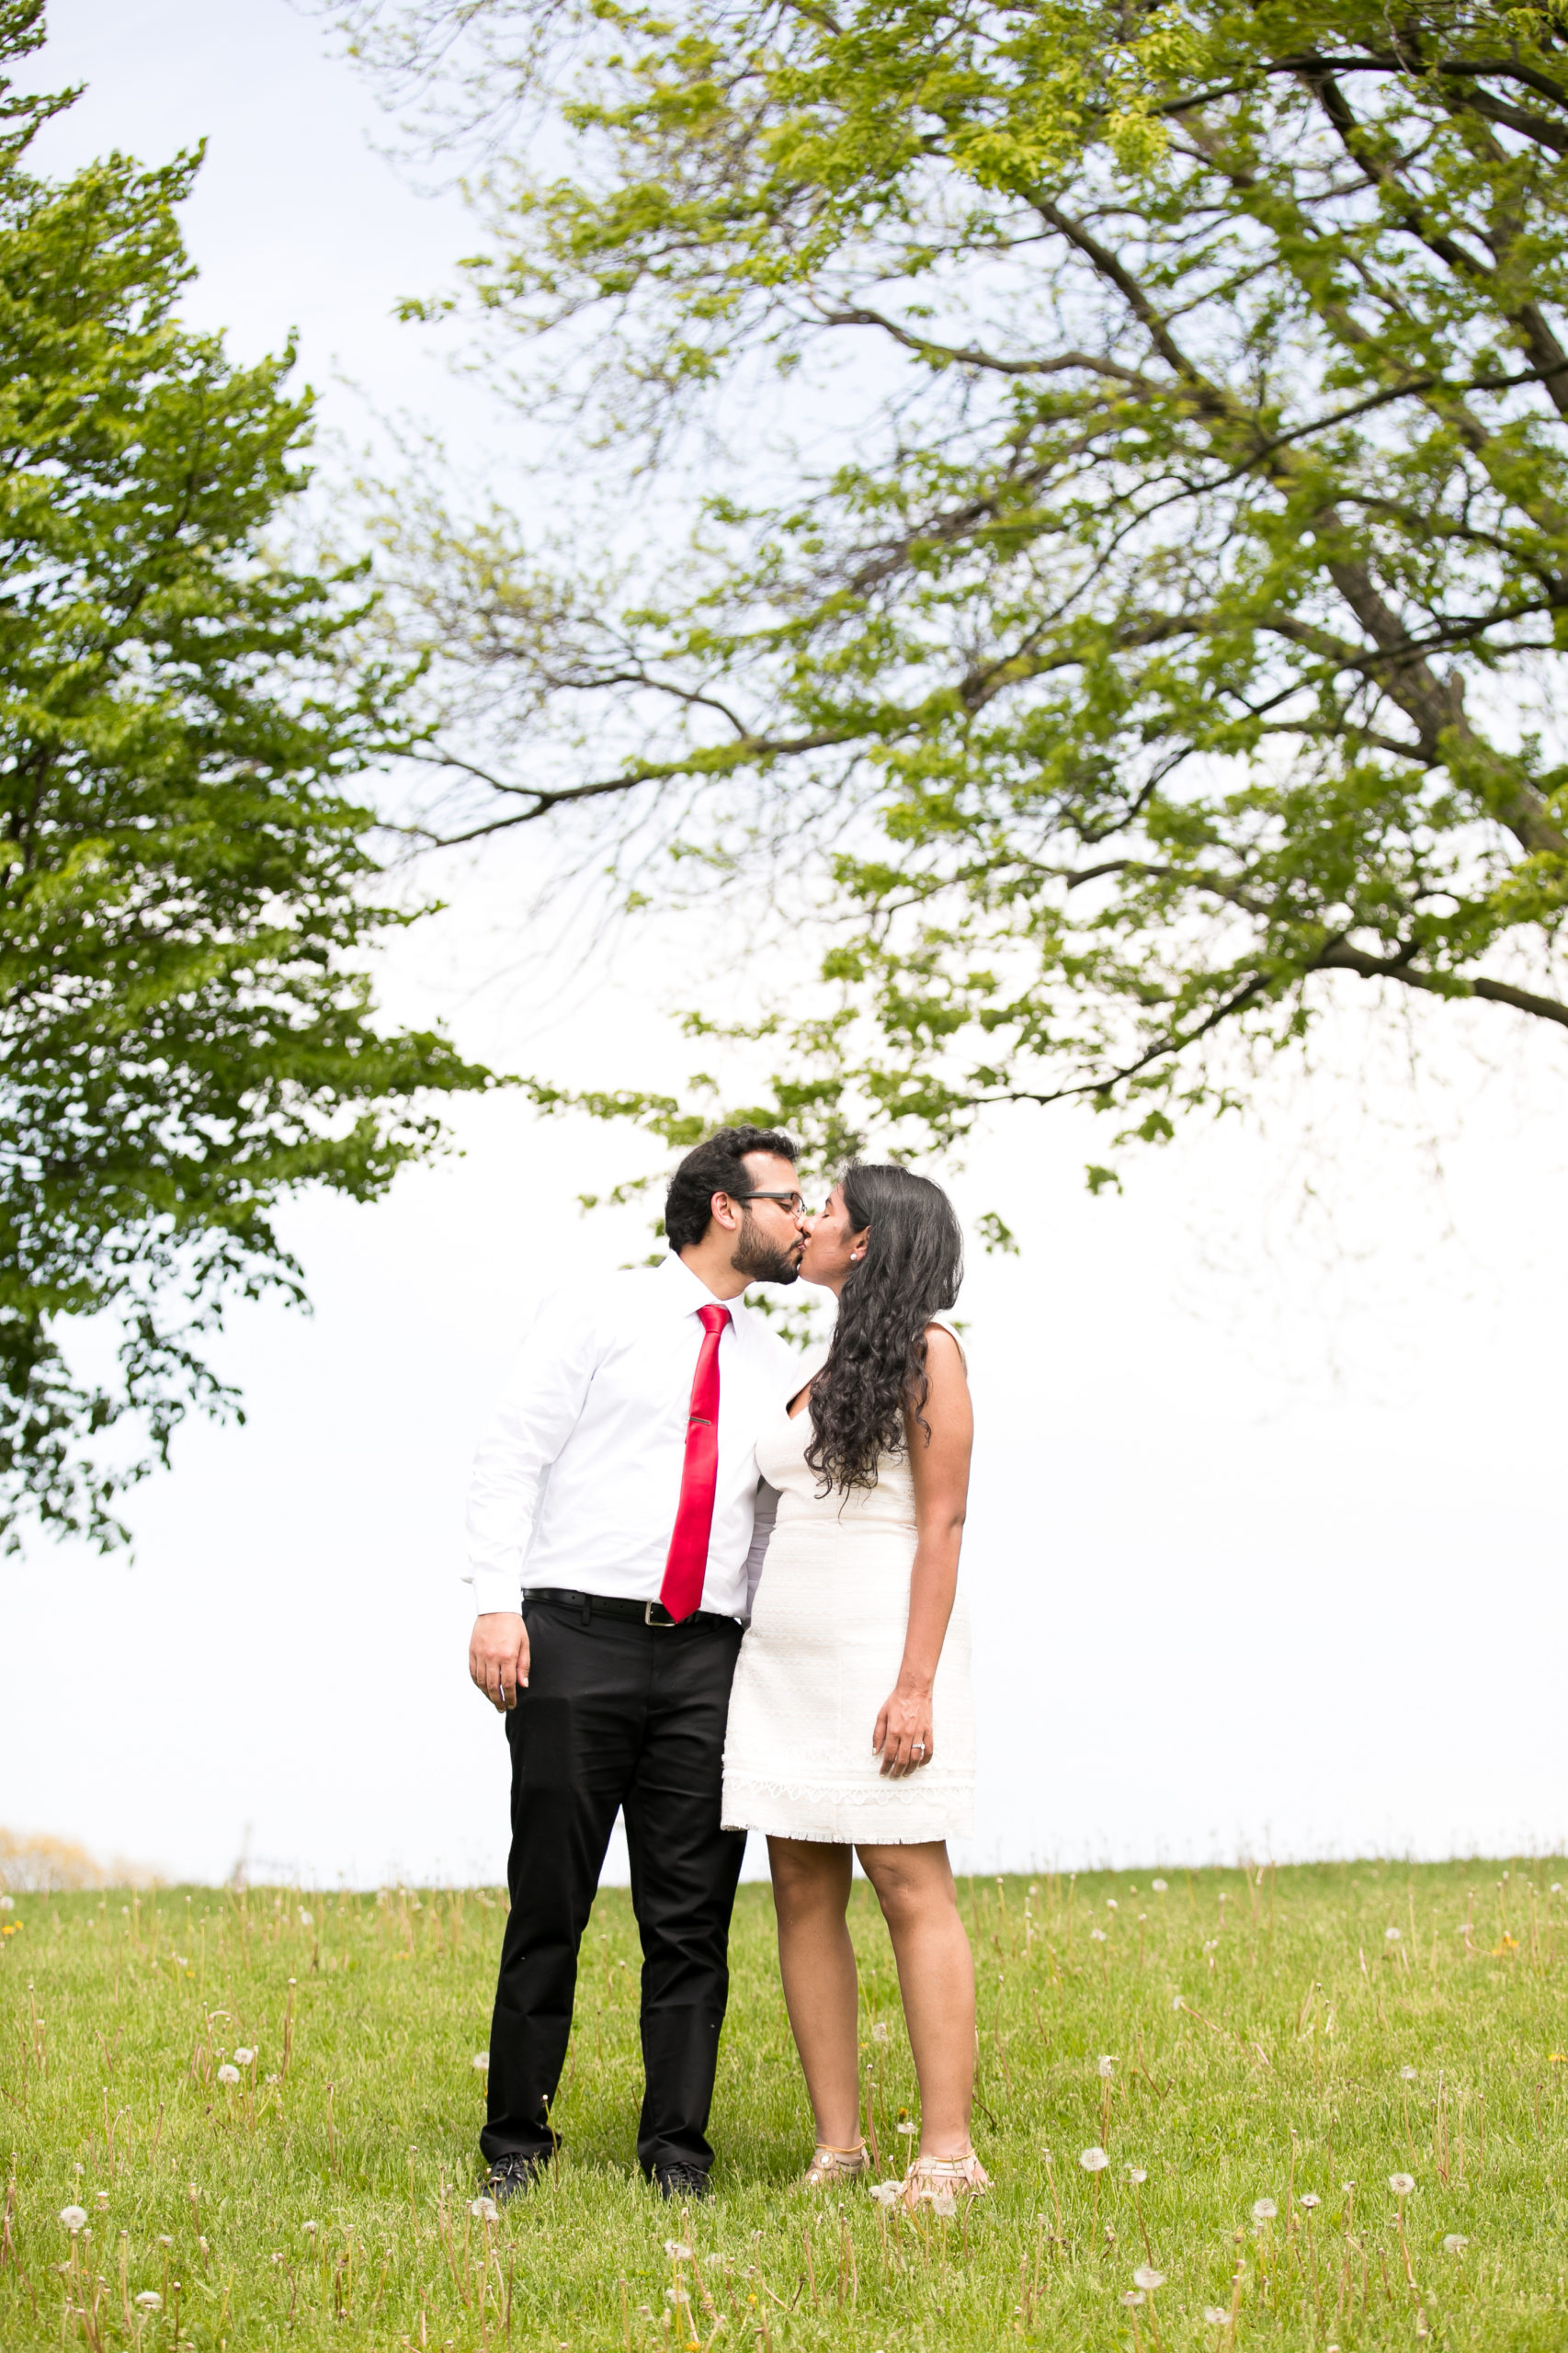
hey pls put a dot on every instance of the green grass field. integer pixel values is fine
(1281, 2044)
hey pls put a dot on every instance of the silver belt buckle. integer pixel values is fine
(648, 1618)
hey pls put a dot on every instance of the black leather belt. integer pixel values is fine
(609, 1605)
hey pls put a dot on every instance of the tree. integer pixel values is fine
(186, 1026)
(1175, 644)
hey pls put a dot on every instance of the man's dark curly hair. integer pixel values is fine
(715, 1165)
(875, 1372)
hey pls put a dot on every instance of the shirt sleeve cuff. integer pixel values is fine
(496, 1589)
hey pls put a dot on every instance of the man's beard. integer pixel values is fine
(759, 1260)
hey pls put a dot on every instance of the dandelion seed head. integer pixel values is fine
(1138, 2173)
(1216, 2315)
(1263, 2209)
(1148, 2278)
(307, 2226)
(1097, 1936)
(1108, 2065)
(884, 2192)
(480, 2061)
(1158, 1885)
(1408, 2075)
(73, 2217)
(1393, 1936)
(101, 2202)
(1111, 1905)
(1210, 1944)
(879, 2032)
(1309, 2199)
(943, 2203)
(307, 1919)
(8, 1903)
(163, 2239)
(1455, 2243)
(1177, 2003)
(228, 2075)
(485, 2210)
(1401, 2184)
(678, 2251)
(150, 2301)
(1094, 2160)
(243, 2058)
(906, 2129)
(1131, 2296)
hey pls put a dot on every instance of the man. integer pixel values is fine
(613, 1551)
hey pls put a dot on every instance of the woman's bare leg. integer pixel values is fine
(816, 1961)
(936, 1977)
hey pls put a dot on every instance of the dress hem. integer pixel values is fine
(870, 1833)
(955, 1787)
(820, 1818)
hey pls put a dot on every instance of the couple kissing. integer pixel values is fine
(717, 1591)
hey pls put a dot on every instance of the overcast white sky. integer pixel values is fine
(1267, 1544)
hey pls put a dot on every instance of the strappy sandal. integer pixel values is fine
(945, 2179)
(829, 2164)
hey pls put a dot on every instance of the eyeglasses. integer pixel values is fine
(793, 1202)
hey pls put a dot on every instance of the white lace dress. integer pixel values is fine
(821, 1655)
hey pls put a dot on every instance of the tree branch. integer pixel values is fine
(1340, 958)
(972, 355)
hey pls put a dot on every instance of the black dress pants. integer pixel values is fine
(616, 1714)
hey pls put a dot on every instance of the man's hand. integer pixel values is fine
(498, 1657)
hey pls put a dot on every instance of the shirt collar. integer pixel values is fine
(688, 1292)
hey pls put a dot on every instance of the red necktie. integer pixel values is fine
(687, 1566)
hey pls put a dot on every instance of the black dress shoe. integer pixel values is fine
(511, 2174)
(682, 2185)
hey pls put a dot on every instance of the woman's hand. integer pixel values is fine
(903, 1738)
(938, 1456)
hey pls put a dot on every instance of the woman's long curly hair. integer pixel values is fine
(875, 1372)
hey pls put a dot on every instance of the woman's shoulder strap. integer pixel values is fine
(942, 1324)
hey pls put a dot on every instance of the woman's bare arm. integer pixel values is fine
(940, 1466)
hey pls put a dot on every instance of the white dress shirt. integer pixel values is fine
(577, 1479)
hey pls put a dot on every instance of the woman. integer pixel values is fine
(851, 1724)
